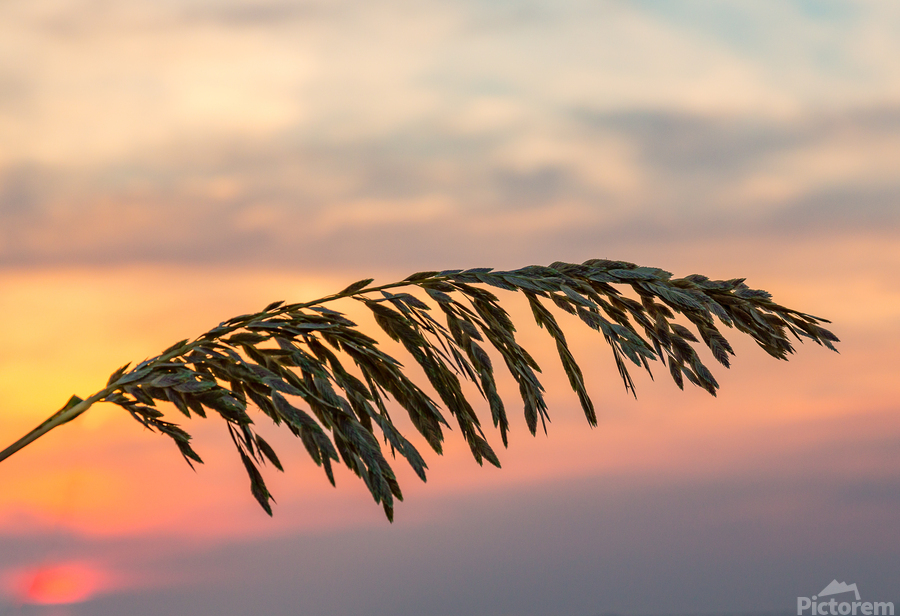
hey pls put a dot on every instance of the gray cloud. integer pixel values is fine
(725, 146)
(719, 147)
(23, 192)
(422, 195)
(272, 14)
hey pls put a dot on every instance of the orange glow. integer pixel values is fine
(58, 583)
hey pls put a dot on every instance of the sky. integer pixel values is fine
(167, 165)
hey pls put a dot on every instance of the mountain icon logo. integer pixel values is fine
(836, 588)
(825, 604)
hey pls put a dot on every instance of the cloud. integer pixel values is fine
(404, 133)
(106, 82)
(266, 14)
(428, 194)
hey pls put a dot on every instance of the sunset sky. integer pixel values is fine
(167, 165)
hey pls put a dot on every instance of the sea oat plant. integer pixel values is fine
(286, 361)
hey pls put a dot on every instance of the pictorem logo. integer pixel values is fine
(847, 606)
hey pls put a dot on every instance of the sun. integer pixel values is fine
(57, 584)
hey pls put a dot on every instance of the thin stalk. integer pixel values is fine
(73, 408)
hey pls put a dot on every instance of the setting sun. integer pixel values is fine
(58, 583)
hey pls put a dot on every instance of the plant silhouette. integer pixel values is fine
(286, 360)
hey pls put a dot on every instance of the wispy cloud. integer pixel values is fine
(170, 131)
(103, 81)
(598, 175)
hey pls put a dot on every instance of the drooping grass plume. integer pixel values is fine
(286, 361)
